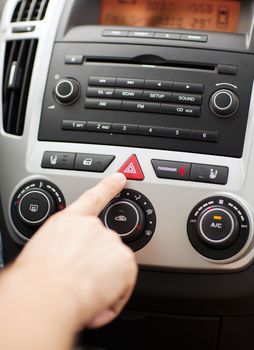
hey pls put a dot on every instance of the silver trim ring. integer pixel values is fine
(211, 240)
(215, 97)
(64, 81)
(34, 222)
(112, 206)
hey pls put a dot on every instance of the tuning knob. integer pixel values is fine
(224, 103)
(35, 207)
(67, 91)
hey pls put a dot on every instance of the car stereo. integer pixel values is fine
(159, 90)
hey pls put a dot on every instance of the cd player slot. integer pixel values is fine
(158, 63)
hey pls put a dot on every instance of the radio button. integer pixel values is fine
(124, 128)
(165, 169)
(158, 96)
(121, 33)
(189, 87)
(141, 34)
(181, 110)
(103, 104)
(168, 36)
(97, 92)
(73, 125)
(93, 162)
(159, 85)
(208, 136)
(101, 81)
(151, 130)
(189, 99)
(141, 106)
(129, 94)
(196, 38)
(100, 127)
(74, 59)
(130, 83)
(178, 133)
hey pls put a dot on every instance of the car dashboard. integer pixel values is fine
(93, 87)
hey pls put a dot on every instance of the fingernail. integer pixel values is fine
(120, 177)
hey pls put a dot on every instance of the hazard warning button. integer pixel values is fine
(132, 169)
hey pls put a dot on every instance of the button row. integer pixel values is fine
(145, 130)
(165, 169)
(146, 84)
(76, 161)
(140, 106)
(132, 94)
(156, 35)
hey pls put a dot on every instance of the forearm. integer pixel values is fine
(31, 316)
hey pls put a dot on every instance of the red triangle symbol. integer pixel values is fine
(132, 169)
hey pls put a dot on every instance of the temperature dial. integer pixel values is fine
(218, 228)
(33, 204)
(132, 216)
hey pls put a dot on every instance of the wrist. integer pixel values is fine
(38, 297)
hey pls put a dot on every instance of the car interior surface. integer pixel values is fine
(162, 91)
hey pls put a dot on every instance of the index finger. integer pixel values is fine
(93, 201)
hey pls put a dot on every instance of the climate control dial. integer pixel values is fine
(36, 206)
(218, 228)
(132, 216)
(33, 204)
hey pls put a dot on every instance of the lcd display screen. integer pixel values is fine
(209, 15)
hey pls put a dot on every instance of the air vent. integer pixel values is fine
(19, 61)
(30, 10)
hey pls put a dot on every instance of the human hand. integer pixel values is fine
(79, 263)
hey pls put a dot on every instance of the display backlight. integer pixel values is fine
(209, 15)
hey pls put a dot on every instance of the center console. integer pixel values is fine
(94, 87)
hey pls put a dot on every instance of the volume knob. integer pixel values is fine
(224, 103)
(67, 91)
